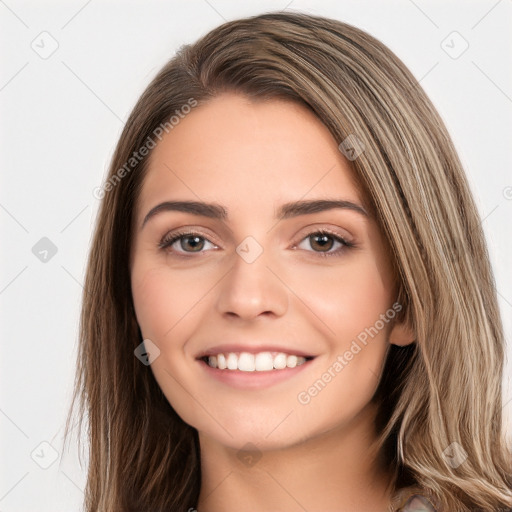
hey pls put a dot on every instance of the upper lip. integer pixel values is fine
(252, 349)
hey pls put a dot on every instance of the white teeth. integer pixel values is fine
(264, 362)
(280, 361)
(221, 361)
(232, 362)
(260, 362)
(291, 361)
(246, 362)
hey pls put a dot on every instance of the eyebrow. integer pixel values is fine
(286, 211)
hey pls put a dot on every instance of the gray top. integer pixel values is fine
(417, 503)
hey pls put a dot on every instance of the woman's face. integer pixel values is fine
(260, 279)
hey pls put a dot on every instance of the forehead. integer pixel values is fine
(238, 152)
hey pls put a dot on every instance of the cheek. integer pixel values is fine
(346, 298)
(355, 308)
(358, 315)
(164, 307)
(162, 300)
(150, 297)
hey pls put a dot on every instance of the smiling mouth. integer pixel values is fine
(259, 362)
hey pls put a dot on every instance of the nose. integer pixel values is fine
(253, 286)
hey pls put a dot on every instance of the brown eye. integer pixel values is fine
(189, 242)
(322, 242)
(193, 241)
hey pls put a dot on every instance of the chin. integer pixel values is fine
(242, 434)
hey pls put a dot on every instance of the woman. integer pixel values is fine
(289, 303)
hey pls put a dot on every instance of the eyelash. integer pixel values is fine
(169, 239)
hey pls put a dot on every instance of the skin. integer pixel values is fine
(251, 157)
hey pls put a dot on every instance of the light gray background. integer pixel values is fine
(61, 116)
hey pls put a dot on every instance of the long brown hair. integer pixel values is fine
(442, 391)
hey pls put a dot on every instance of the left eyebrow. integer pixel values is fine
(286, 211)
(297, 208)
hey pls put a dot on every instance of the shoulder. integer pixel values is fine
(413, 499)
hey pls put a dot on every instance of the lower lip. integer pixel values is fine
(253, 380)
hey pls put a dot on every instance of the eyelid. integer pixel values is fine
(312, 229)
(172, 237)
(306, 231)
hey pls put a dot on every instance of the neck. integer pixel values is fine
(337, 470)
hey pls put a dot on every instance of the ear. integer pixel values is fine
(401, 335)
